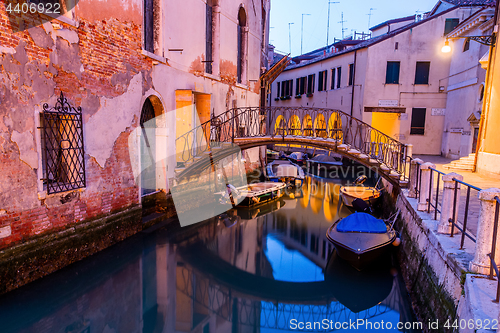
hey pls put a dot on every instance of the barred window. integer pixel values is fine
(62, 147)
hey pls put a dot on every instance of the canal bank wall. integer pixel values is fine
(43, 254)
(436, 272)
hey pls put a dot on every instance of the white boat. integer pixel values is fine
(252, 194)
(285, 171)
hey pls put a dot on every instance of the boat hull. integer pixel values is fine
(349, 245)
(349, 196)
(258, 194)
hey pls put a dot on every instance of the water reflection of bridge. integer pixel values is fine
(228, 275)
(209, 278)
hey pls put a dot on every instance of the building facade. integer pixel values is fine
(92, 102)
(487, 157)
(465, 85)
(395, 81)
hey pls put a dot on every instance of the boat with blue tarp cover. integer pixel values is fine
(360, 238)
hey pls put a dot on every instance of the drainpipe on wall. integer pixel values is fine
(353, 84)
(486, 101)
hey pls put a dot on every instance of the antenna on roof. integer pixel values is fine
(370, 16)
(342, 22)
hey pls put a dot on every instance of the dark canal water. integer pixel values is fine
(269, 269)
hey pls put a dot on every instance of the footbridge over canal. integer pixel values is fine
(329, 129)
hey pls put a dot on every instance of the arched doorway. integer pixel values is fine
(148, 148)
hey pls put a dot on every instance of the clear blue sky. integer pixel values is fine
(314, 31)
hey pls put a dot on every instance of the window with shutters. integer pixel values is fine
(339, 76)
(422, 72)
(301, 86)
(322, 79)
(392, 73)
(351, 75)
(333, 79)
(450, 24)
(310, 83)
(417, 121)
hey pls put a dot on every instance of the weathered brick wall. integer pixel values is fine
(90, 63)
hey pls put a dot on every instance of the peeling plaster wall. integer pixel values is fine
(99, 66)
(97, 61)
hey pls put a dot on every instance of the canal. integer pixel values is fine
(267, 269)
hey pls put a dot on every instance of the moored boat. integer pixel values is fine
(251, 194)
(369, 194)
(360, 238)
(285, 171)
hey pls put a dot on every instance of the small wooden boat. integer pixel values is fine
(370, 195)
(285, 171)
(360, 238)
(252, 194)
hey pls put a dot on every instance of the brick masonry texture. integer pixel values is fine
(35, 66)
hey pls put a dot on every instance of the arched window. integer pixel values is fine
(242, 41)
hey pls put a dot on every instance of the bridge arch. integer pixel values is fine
(328, 129)
(295, 125)
(320, 126)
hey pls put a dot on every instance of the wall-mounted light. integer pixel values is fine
(488, 40)
(446, 47)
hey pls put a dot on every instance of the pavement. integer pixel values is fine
(471, 178)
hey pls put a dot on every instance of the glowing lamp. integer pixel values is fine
(446, 47)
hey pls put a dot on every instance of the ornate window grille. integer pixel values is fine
(62, 145)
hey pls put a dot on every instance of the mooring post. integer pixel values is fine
(444, 226)
(425, 183)
(484, 237)
(414, 174)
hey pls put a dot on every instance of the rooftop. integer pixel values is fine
(401, 19)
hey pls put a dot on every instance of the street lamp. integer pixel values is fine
(488, 40)
(302, 32)
(290, 37)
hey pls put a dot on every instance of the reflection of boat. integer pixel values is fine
(298, 157)
(359, 290)
(360, 238)
(249, 213)
(252, 194)
(366, 193)
(285, 171)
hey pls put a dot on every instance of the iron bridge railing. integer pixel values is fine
(333, 126)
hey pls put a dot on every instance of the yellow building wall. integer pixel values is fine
(387, 123)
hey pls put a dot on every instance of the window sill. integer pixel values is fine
(309, 95)
(42, 195)
(154, 56)
(211, 76)
(63, 19)
(298, 96)
(241, 85)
